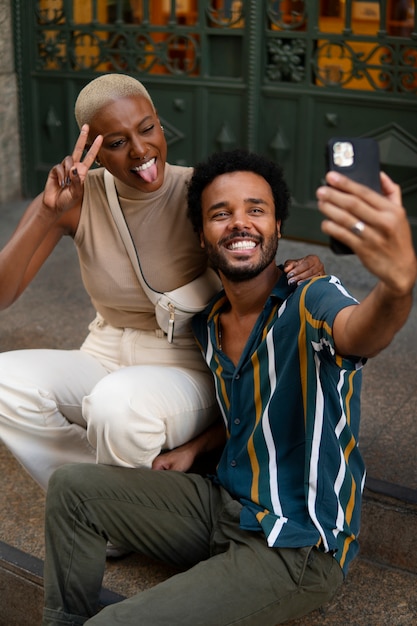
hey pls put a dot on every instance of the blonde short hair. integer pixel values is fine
(105, 89)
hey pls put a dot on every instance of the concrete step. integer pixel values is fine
(373, 595)
(389, 525)
(21, 588)
(381, 588)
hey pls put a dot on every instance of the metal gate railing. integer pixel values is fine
(278, 77)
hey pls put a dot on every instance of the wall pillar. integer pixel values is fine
(10, 164)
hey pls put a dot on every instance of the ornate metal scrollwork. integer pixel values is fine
(130, 51)
(407, 75)
(226, 16)
(52, 51)
(118, 46)
(180, 54)
(54, 13)
(286, 60)
(293, 17)
(314, 57)
(384, 67)
(85, 51)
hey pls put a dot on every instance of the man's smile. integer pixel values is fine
(241, 245)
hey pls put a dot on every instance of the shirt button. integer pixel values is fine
(233, 463)
(237, 376)
(237, 421)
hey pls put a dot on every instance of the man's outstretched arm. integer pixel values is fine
(376, 227)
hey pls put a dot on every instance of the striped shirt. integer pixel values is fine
(291, 408)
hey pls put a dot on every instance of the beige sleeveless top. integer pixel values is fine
(168, 248)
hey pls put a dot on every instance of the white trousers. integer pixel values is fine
(120, 399)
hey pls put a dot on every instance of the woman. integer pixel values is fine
(59, 406)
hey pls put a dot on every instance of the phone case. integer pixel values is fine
(357, 158)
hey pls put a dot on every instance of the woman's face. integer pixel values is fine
(134, 148)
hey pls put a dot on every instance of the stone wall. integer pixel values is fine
(10, 180)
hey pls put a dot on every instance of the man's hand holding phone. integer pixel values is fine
(383, 242)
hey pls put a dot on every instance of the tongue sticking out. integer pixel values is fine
(149, 174)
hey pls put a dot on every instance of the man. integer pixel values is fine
(270, 538)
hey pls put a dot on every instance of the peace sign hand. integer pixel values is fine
(64, 186)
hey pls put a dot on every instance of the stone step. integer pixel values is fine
(21, 588)
(389, 525)
(373, 594)
(381, 588)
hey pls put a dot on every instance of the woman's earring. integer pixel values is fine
(162, 128)
(97, 162)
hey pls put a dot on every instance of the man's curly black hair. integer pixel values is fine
(236, 161)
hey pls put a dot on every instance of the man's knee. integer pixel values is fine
(65, 483)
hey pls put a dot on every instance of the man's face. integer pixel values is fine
(134, 147)
(240, 230)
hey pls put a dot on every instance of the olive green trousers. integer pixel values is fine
(229, 575)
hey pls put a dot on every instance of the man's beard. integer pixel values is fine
(238, 273)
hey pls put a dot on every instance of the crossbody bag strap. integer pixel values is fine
(124, 232)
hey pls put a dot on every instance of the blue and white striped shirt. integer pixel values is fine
(291, 408)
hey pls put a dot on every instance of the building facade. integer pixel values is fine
(277, 77)
(10, 162)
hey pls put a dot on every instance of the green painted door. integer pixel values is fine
(276, 77)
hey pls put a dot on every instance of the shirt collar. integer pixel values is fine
(280, 291)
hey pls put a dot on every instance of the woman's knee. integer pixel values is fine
(108, 409)
(125, 401)
(136, 411)
(122, 431)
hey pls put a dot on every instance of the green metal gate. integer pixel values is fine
(276, 77)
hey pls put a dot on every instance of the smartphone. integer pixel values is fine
(357, 158)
